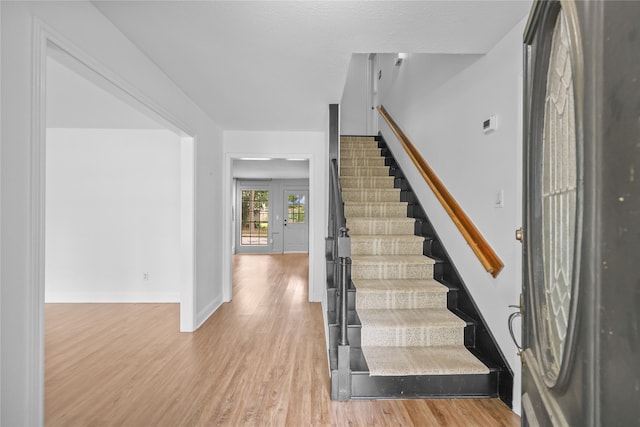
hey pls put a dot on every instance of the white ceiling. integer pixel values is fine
(271, 65)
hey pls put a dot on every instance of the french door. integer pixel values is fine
(253, 227)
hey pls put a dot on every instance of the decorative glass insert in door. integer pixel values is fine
(558, 196)
(255, 217)
(295, 208)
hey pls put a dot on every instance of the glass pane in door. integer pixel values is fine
(559, 189)
(295, 208)
(255, 217)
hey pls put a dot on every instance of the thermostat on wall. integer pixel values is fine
(490, 124)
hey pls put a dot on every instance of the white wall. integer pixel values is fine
(309, 145)
(354, 108)
(274, 168)
(445, 124)
(113, 214)
(78, 26)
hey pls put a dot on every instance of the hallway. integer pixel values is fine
(259, 360)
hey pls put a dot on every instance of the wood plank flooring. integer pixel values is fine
(259, 360)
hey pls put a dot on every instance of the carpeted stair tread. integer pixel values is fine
(392, 259)
(371, 195)
(380, 226)
(358, 182)
(404, 361)
(363, 151)
(418, 317)
(399, 294)
(351, 138)
(346, 171)
(375, 209)
(393, 244)
(391, 267)
(418, 327)
(362, 161)
(399, 285)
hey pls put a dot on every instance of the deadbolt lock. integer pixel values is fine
(520, 234)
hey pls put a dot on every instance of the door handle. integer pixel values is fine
(520, 235)
(512, 317)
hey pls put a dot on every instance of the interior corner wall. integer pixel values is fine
(354, 107)
(445, 124)
(79, 25)
(113, 216)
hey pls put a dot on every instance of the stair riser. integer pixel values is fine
(382, 226)
(375, 210)
(367, 182)
(333, 303)
(362, 161)
(354, 334)
(365, 386)
(412, 336)
(400, 300)
(392, 271)
(370, 195)
(363, 171)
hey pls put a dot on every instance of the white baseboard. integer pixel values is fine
(112, 297)
(204, 314)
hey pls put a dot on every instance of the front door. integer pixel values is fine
(296, 220)
(581, 225)
(553, 220)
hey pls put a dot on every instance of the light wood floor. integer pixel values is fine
(259, 360)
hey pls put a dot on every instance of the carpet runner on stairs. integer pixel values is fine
(406, 326)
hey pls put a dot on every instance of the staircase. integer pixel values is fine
(408, 337)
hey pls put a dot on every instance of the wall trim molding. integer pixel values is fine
(111, 297)
(207, 311)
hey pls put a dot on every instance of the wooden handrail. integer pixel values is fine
(487, 256)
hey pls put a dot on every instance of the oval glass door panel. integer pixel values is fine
(558, 197)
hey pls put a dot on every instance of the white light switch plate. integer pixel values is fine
(498, 201)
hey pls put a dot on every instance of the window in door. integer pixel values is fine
(295, 207)
(255, 217)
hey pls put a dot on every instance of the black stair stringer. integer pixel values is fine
(478, 337)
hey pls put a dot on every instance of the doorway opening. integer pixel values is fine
(269, 200)
(118, 194)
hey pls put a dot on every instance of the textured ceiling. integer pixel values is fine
(268, 65)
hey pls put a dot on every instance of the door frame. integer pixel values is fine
(44, 39)
(316, 256)
(372, 77)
